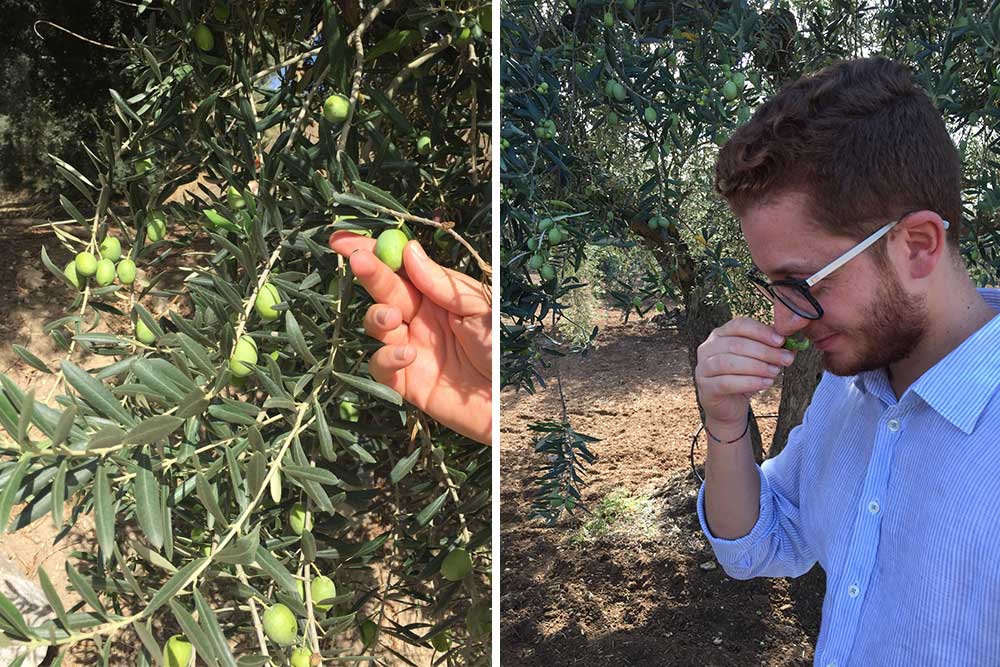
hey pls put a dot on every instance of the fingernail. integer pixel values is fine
(381, 317)
(400, 353)
(778, 340)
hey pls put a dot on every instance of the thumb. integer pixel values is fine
(453, 291)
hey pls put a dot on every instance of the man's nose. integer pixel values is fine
(786, 321)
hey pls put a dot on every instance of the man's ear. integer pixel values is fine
(922, 239)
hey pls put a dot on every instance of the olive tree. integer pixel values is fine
(254, 491)
(613, 113)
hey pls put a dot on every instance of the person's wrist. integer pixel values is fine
(726, 431)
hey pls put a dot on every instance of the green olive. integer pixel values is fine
(126, 271)
(441, 641)
(156, 226)
(368, 632)
(143, 333)
(349, 411)
(301, 657)
(221, 12)
(280, 625)
(70, 273)
(322, 588)
(335, 108)
(456, 565)
(86, 264)
(299, 520)
(547, 272)
(264, 303)
(389, 248)
(729, 90)
(650, 114)
(177, 652)
(424, 144)
(796, 344)
(111, 248)
(235, 198)
(244, 353)
(105, 272)
(203, 37)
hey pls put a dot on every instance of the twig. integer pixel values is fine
(359, 65)
(34, 28)
(446, 226)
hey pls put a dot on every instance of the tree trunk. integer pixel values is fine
(797, 387)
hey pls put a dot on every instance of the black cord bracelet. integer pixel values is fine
(729, 442)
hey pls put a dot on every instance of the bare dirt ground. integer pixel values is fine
(646, 593)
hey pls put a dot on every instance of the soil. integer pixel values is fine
(652, 594)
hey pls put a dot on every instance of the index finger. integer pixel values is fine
(745, 327)
(382, 283)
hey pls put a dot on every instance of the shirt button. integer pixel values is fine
(893, 425)
(873, 507)
(853, 590)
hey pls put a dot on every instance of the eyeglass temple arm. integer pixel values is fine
(857, 250)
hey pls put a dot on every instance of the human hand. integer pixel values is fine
(737, 360)
(437, 328)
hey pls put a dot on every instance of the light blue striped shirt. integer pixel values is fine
(899, 502)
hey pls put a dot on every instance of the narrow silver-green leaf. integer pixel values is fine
(370, 387)
(96, 394)
(104, 512)
(173, 585)
(404, 466)
(10, 489)
(428, 512)
(84, 589)
(210, 623)
(53, 597)
(64, 426)
(59, 493)
(202, 645)
(31, 359)
(153, 429)
(24, 420)
(207, 496)
(147, 501)
(297, 339)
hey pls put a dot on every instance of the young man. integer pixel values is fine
(848, 191)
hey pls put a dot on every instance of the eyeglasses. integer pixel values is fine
(795, 294)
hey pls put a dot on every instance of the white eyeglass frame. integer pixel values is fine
(858, 249)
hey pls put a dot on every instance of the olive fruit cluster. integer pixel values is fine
(615, 90)
(733, 86)
(104, 270)
(659, 222)
(546, 129)
(542, 88)
(549, 234)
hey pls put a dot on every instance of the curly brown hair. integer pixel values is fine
(858, 139)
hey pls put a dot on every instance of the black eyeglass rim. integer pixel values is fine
(754, 274)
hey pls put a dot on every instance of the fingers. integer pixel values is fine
(385, 323)
(474, 336)
(453, 291)
(345, 243)
(383, 284)
(387, 365)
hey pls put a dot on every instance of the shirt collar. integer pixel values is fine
(976, 361)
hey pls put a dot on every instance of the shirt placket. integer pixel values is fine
(851, 588)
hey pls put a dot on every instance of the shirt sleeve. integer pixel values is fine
(776, 546)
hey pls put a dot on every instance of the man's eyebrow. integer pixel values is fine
(790, 267)
(794, 267)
